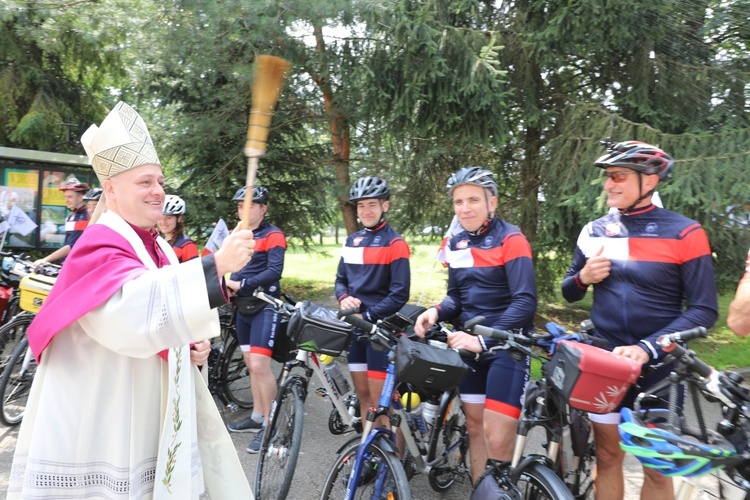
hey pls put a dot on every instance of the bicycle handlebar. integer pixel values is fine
(669, 343)
(280, 305)
(698, 332)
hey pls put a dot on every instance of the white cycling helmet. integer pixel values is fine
(173, 205)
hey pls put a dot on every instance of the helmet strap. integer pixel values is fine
(642, 197)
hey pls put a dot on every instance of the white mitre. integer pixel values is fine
(121, 142)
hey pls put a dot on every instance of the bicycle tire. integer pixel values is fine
(539, 482)
(235, 376)
(15, 385)
(378, 453)
(10, 335)
(450, 428)
(281, 444)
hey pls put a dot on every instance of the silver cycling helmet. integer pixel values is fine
(369, 187)
(173, 205)
(260, 194)
(479, 176)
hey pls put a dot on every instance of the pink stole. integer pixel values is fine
(101, 262)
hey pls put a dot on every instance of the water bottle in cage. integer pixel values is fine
(336, 375)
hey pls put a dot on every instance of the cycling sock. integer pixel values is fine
(257, 417)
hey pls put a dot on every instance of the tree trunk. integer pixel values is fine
(341, 141)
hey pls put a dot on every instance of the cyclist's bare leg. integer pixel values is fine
(477, 442)
(656, 486)
(609, 483)
(500, 433)
(362, 388)
(262, 382)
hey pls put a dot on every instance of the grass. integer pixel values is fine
(311, 276)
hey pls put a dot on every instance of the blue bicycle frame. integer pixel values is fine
(370, 434)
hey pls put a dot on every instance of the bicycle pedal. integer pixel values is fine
(320, 391)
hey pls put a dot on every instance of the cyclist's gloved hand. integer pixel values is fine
(559, 333)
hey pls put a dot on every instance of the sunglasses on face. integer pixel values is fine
(618, 176)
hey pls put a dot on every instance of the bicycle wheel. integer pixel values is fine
(381, 470)
(281, 444)
(449, 440)
(539, 482)
(236, 376)
(11, 334)
(16, 383)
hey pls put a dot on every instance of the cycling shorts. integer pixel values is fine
(498, 382)
(648, 381)
(362, 357)
(256, 333)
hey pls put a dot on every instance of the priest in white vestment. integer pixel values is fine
(118, 409)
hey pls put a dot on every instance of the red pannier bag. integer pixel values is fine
(590, 378)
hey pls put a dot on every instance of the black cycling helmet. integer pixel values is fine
(93, 194)
(479, 176)
(260, 194)
(173, 205)
(369, 187)
(74, 184)
(639, 156)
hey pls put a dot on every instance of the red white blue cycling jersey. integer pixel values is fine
(661, 280)
(374, 268)
(75, 223)
(267, 264)
(491, 274)
(185, 248)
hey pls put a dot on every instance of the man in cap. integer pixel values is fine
(76, 222)
(117, 409)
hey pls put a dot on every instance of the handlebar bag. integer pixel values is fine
(284, 347)
(34, 290)
(590, 378)
(318, 329)
(427, 366)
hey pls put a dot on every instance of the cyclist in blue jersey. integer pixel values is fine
(490, 274)
(739, 310)
(172, 226)
(76, 221)
(652, 274)
(257, 321)
(373, 276)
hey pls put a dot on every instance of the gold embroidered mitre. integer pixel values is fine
(121, 142)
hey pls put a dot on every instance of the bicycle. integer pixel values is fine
(570, 450)
(373, 461)
(228, 377)
(14, 319)
(18, 372)
(283, 436)
(662, 438)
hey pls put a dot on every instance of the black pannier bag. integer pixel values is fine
(428, 367)
(284, 348)
(249, 306)
(318, 329)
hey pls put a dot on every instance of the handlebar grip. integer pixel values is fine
(470, 324)
(468, 354)
(486, 331)
(692, 361)
(595, 341)
(347, 312)
(698, 332)
(360, 323)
